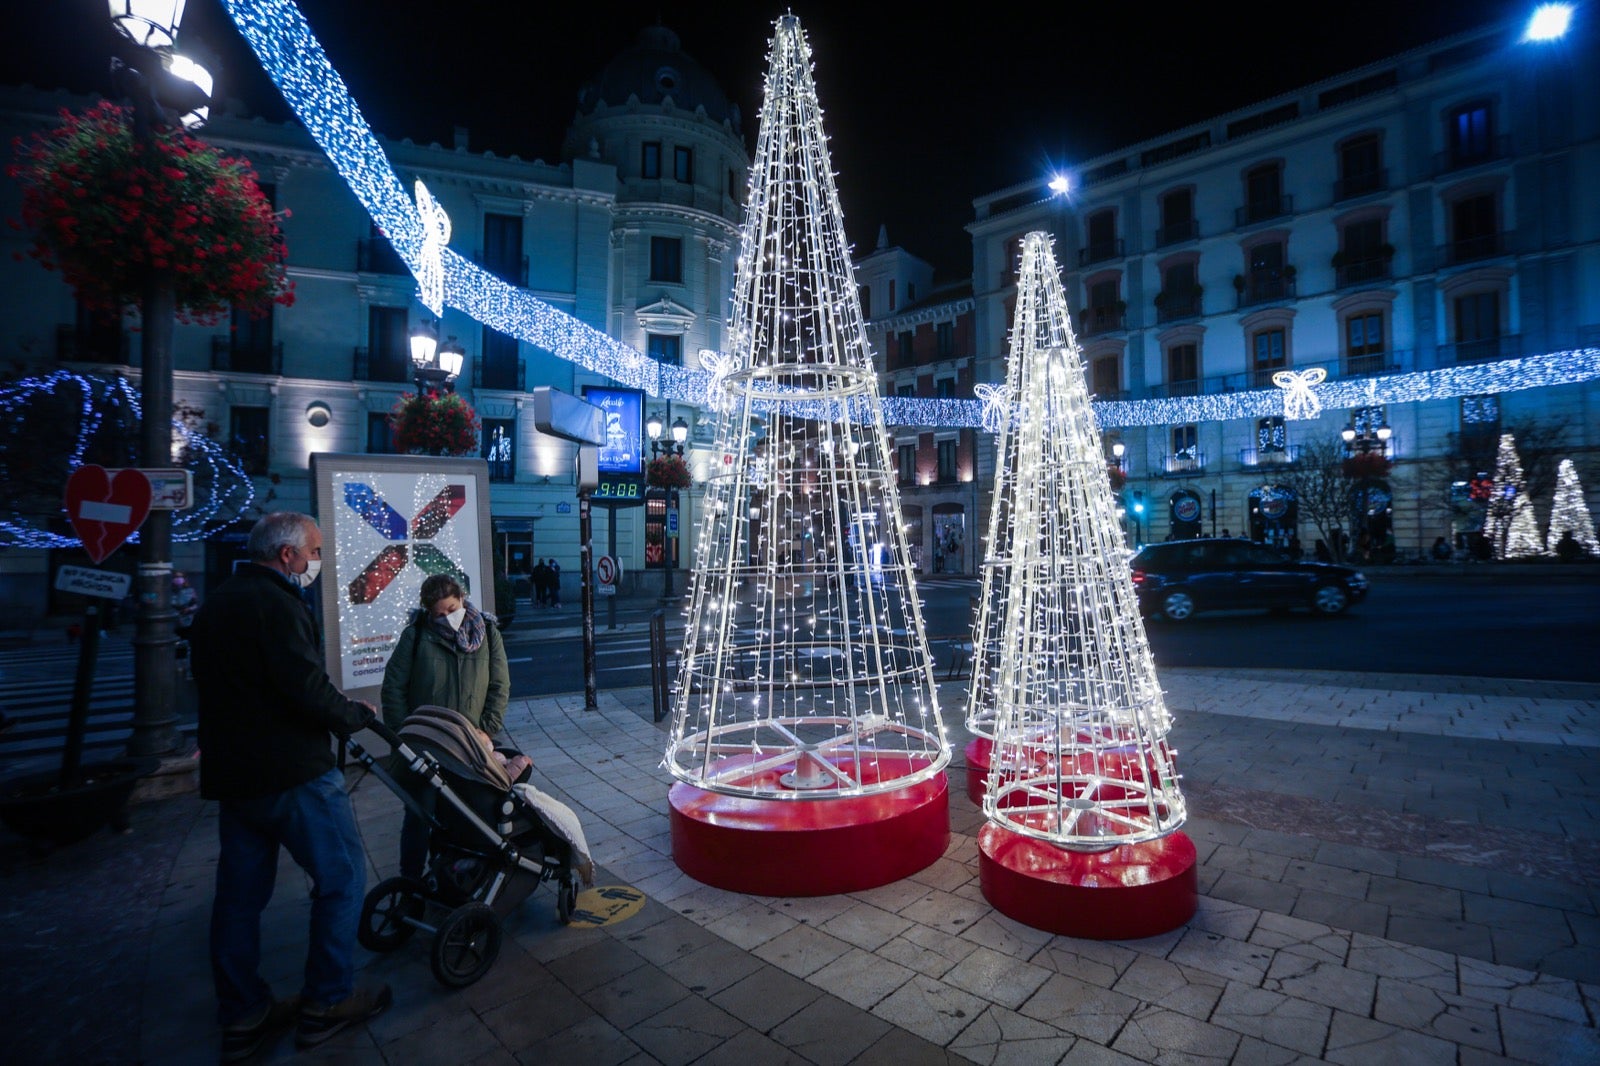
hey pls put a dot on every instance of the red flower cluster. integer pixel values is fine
(435, 424)
(1366, 465)
(667, 472)
(111, 212)
(1117, 477)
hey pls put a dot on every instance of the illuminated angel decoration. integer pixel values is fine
(996, 407)
(1299, 402)
(435, 236)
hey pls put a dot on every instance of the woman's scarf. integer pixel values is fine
(467, 639)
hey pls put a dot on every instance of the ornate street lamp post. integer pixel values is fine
(436, 366)
(661, 444)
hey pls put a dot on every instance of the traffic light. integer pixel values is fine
(1138, 503)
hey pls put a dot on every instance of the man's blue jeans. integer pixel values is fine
(314, 821)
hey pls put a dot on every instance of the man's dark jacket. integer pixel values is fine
(266, 701)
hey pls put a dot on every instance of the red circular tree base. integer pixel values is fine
(812, 847)
(979, 751)
(1126, 893)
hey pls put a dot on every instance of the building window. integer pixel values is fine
(247, 436)
(945, 388)
(1267, 279)
(944, 338)
(1477, 321)
(1177, 217)
(1360, 167)
(1107, 376)
(1183, 370)
(1480, 427)
(388, 349)
(891, 294)
(911, 292)
(381, 439)
(947, 460)
(1362, 255)
(499, 448)
(866, 302)
(908, 392)
(1186, 443)
(499, 369)
(666, 259)
(1474, 229)
(1105, 306)
(1100, 241)
(1271, 355)
(502, 248)
(666, 348)
(1363, 343)
(650, 159)
(1263, 188)
(1471, 135)
(904, 348)
(1271, 436)
(1180, 292)
(683, 164)
(907, 461)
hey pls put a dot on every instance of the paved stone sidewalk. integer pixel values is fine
(1384, 877)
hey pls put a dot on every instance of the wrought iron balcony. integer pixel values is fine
(1093, 320)
(1352, 185)
(499, 374)
(509, 270)
(1184, 464)
(1262, 210)
(375, 255)
(1481, 351)
(1100, 251)
(1287, 455)
(1462, 156)
(1177, 232)
(1265, 286)
(229, 353)
(1473, 248)
(1349, 272)
(392, 366)
(1176, 304)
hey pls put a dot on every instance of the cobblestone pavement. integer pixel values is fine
(1392, 869)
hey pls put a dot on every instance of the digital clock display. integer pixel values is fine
(623, 489)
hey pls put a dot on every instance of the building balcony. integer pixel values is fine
(1165, 389)
(229, 353)
(1093, 320)
(1370, 364)
(1361, 271)
(1100, 252)
(1473, 248)
(74, 345)
(503, 374)
(1265, 286)
(1263, 210)
(1189, 463)
(380, 366)
(1463, 156)
(512, 272)
(1487, 350)
(1177, 304)
(1288, 455)
(1353, 185)
(375, 255)
(1177, 232)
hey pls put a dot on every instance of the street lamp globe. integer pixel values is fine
(452, 356)
(680, 432)
(424, 343)
(148, 23)
(652, 425)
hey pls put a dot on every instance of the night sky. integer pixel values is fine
(924, 112)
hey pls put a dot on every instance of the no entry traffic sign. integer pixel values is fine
(105, 510)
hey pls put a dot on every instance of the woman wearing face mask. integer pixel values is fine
(450, 655)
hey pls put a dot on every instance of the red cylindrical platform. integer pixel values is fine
(1125, 893)
(979, 751)
(808, 847)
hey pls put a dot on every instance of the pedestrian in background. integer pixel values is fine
(555, 583)
(541, 583)
(450, 655)
(267, 707)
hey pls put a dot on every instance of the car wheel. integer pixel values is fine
(1177, 606)
(1329, 599)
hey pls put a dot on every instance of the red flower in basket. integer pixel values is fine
(667, 472)
(435, 423)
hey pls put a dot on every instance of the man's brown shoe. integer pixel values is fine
(318, 1023)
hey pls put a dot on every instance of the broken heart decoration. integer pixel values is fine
(104, 509)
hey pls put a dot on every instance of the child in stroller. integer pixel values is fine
(493, 840)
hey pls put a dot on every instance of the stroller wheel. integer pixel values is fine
(466, 945)
(385, 910)
(566, 898)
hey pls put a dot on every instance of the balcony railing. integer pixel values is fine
(1471, 249)
(1288, 455)
(1262, 210)
(1352, 185)
(1264, 286)
(1179, 303)
(79, 346)
(1092, 320)
(375, 255)
(1462, 156)
(499, 374)
(1186, 464)
(1100, 251)
(380, 366)
(1177, 232)
(1368, 364)
(512, 273)
(1481, 351)
(1165, 389)
(1360, 271)
(229, 354)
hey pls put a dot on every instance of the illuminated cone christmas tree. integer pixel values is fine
(806, 673)
(1569, 513)
(1510, 526)
(1080, 754)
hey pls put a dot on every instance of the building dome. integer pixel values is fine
(654, 68)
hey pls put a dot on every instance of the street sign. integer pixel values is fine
(672, 522)
(606, 571)
(86, 582)
(170, 490)
(105, 510)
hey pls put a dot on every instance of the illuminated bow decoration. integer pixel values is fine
(1298, 400)
(721, 365)
(996, 407)
(435, 236)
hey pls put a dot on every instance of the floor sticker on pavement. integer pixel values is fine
(606, 905)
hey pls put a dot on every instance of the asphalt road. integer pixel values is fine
(1501, 627)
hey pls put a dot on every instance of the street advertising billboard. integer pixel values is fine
(622, 450)
(389, 522)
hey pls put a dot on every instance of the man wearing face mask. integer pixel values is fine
(267, 709)
(450, 655)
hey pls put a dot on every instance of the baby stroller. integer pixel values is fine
(489, 846)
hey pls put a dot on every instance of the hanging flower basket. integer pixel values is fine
(435, 423)
(112, 213)
(1117, 478)
(1366, 465)
(667, 472)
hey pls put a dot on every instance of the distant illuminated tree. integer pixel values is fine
(1570, 514)
(1510, 526)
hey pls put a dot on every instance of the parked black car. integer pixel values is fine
(1177, 578)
